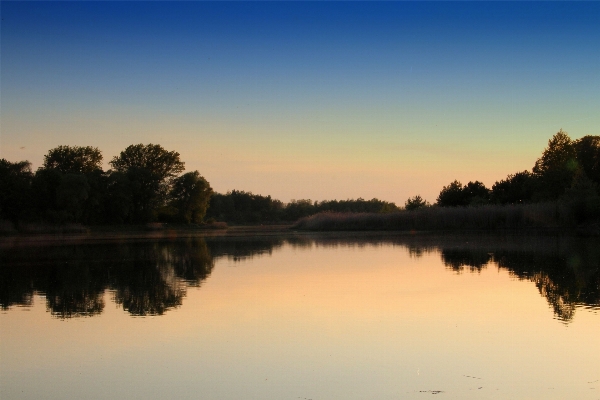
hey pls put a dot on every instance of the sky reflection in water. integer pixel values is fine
(301, 317)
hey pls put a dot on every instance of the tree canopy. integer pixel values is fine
(161, 163)
(414, 203)
(556, 167)
(190, 197)
(73, 159)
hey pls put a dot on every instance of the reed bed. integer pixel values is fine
(487, 217)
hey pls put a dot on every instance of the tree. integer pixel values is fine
(556, 167)
(44, 185)
(73, 159)
(415, 202)
(15, 189)
(587, 150)
(161, 163)
(118, 202)
(150, 170)
(147, 194)
(190, 196)
(452, 195)
(516, 188)
(582, 199)
(71, 194)
(475, 193)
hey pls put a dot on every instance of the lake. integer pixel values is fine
(331, 316)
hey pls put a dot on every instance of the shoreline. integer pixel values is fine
(106, 234)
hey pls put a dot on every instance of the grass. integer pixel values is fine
(487, 217)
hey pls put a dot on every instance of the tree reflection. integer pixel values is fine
(145, 278)
(150, 277)
(565, 271)
(457, 259)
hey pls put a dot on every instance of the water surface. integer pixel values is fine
(300, 317)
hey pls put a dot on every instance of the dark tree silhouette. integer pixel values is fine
(556, 167)
(588, 155)
(159, 162)
(15, 190)
(452, 195)
(414, 203)
(150, 170)
(515, 189)
(190, 196)
(74, 159)
(476, 193)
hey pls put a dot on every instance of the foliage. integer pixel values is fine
(118, 202)
(475, 193)
(73, 159)
(451, 195)
(582, 200)
(145, 185)
(486, 217)
(588, 155)
(159, 162)
(150, 170)
(359, 205)
(515, 189)
(190, 196)
(71, 194)
(15, 189)
(244, 207)
(556, 167)
(414, 203)
(45, 185)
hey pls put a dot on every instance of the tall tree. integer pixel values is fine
(150, 169)
(556, 167)
(191, 196)
(74, 159)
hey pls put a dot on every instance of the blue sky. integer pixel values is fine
(304, 100)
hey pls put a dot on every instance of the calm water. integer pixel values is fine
(377, 317)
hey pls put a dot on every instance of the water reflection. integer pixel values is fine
(566, 271)
(151, 277)
(146, 278)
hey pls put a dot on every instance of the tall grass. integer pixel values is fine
(487, 217)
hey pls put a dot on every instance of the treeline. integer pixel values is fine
(240, 207)
(568, 172)
(145, 184)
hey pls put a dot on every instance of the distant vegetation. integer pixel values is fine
(147, 183)
(561, 190)
(246, 208)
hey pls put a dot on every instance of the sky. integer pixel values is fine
(304, 100)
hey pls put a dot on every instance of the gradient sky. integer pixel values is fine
(304, 100)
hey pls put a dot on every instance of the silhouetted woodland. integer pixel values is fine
(146, 184)
(568, 171)
(561, 190)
